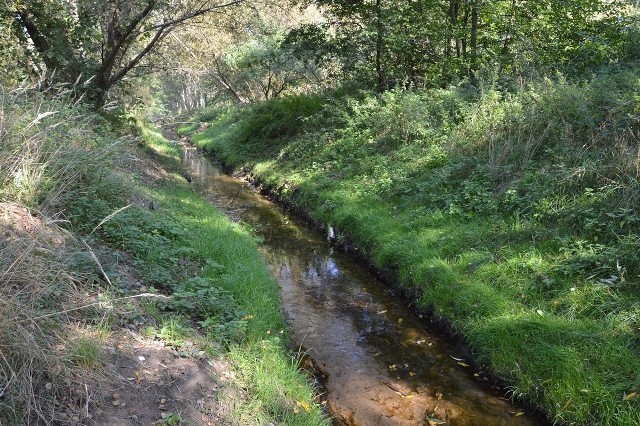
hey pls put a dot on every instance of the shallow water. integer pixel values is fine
(383, 364)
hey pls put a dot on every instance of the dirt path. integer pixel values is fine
(157, 384)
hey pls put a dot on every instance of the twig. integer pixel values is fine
(160, 296)
(86, 405)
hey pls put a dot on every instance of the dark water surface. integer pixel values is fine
(384, 365)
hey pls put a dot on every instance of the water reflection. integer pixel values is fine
(384, 367)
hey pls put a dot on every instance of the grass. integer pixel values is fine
(77, 203)
(508, 214)
(234, 299)
(45, 161)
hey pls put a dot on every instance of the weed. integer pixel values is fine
(85, 352)
(171, 419)
(510, 214)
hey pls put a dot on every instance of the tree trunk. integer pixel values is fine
(379, 46)
(474, 30)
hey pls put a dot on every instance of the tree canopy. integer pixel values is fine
(104, 40)
(246, 51)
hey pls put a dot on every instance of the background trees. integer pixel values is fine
(104, 40)
(245, 51)
(424, 43)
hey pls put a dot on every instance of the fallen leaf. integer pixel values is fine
(630, 396)
(411, 373)
(304, 404)
(392, 367)
(456, 359)
(566, 404)
(433, 421)
(439, 395)
(519, 413)
(463, 364)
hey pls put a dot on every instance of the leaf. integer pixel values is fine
(566, 404)
(433, 421)
(304, 404)
(630, 396)
(463, 364)
(519, 413)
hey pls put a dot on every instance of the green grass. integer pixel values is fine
(509, 214)
(233, 297)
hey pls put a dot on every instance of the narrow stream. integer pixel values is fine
(384, 366)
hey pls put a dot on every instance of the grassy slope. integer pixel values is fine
(250, 320)
(57, 158)
(509, 215)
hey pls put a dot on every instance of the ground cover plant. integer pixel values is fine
(509, 211)
(102, 239)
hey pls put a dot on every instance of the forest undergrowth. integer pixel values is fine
(508, 210)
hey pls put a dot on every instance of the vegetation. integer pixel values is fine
(510, 215)
(65, 292)
(486, 153)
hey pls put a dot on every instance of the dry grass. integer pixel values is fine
(49, 149)
(40, 382)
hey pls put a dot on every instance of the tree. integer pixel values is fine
(106, 39)
(422, 43)
(244, 57)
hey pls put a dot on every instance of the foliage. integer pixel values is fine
(426, 43)
(214, 308)
(509, 213)
(104, 40)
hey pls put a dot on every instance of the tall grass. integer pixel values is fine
(50, 151)
(511, 214)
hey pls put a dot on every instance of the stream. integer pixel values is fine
(383, 365)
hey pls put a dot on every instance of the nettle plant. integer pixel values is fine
(215, 308)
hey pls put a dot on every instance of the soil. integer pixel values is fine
(156, 384)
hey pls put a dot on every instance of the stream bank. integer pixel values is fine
(383, 366)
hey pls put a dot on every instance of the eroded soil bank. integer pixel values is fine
(383, 365)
